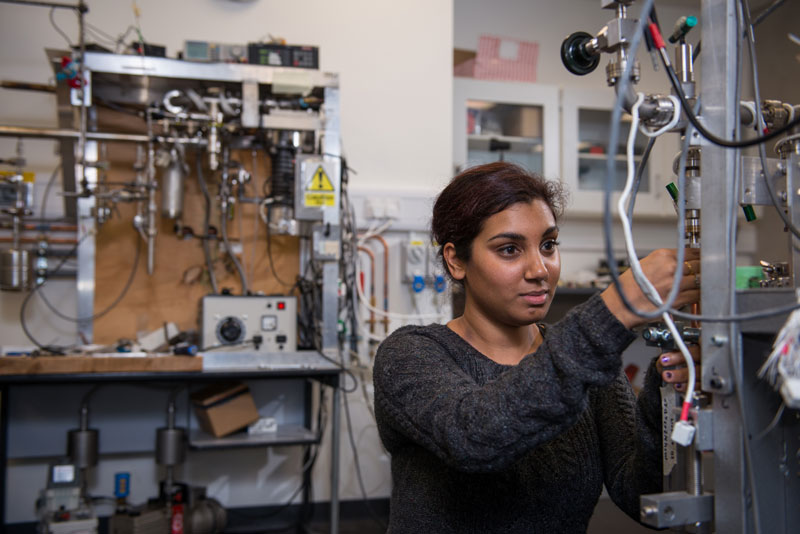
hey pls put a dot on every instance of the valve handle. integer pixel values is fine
(574, 55)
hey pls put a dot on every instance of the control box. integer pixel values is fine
(211, 52)
(278, 55)
(234, 323)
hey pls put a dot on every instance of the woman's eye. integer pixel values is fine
(508, 250)
(550, 244)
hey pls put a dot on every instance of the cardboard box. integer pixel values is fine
(224, 408)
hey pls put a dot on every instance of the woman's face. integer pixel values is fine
(514, 267)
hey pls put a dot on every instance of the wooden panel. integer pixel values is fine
(180, 277)
(24, 365)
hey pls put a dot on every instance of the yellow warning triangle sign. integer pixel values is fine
(320, 181)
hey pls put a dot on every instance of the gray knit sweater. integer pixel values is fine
(480, 447)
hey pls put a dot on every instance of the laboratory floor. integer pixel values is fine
(352, 526)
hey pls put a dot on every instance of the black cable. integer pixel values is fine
(357, 464)
(59, 30)
(753, 316)
(345, 370)
(750, 37)
(47, 189)
(608, 190)
(269, 253)
(673, 78)
(212, 277)
(767, 12)
(111, 306)
(46, 348)
(223, 224)
(321, 425)
(639, 174)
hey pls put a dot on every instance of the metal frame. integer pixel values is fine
(721, 351)
(79, 146)
(755, 489)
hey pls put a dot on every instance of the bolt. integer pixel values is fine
(717, 382)
(718, 340)
(649, 511)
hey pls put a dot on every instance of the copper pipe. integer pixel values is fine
(371, 286)
(55, 133)
(51, 227)
(52, 241)
(385, 319)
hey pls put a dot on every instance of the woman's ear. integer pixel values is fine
(454, 263)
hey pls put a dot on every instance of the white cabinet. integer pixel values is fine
(560, 133)
(585, 131)
(516, 122)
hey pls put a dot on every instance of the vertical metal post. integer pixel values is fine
(4, 389)
(335, 422)
(331, 146)
(792, 162)
(719, 341)
(86, 240)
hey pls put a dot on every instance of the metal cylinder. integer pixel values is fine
(207, 516)
(82, 447)
(683, 60)
(172, 189)
(283, 170)
(15, 270)
(170, 446)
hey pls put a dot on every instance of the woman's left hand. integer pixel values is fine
(672, 367)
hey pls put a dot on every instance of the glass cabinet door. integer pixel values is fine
(506, 121)
(593, 133)
(585, 130)
(504, 132)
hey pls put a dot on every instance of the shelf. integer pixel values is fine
(518, 144)
(285, 435)
(604, 157)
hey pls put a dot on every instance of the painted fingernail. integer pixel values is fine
(679, 386)
(668, 375)
(665, 359)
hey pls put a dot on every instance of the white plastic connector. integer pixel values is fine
(683, 433)
(790, 391)
(264, 425)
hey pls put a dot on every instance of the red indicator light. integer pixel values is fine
(281, 305)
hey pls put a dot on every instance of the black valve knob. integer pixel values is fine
(230, 331)
(576, 58)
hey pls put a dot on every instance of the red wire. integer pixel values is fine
(657, 40)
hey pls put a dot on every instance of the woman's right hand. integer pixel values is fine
(660, 267)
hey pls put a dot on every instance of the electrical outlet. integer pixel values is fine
(382, 208)
(373, 208)
(414, 259)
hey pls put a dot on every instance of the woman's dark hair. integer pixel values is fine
(478, 193)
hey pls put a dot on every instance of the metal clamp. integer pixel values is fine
(676, 508)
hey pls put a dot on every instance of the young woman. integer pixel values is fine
(496, 423)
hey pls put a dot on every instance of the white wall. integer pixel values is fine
(394, 61)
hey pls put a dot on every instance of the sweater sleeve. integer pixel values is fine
(422, 395)
(630, 439)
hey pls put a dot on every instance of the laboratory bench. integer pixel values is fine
(23, 378)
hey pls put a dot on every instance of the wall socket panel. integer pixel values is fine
(406, 210)
(415, 259)
(382, 208)
(421, 258)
